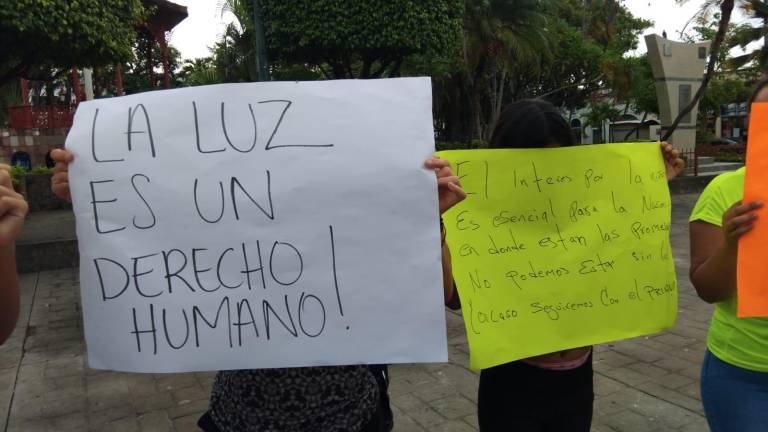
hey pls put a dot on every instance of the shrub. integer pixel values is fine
(720, 150)
(40, 170)
(731, 158)
(17, 172)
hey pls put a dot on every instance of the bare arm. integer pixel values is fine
(714, 252)
(60, 178)
(9, 293)
(448, 291)
(713, 263)
(13, 210)
(450, 193)
(450, 296)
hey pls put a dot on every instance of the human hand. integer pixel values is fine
(60, 179)
(738, 220)
(449, 191)
(673, 164)
(13, 209)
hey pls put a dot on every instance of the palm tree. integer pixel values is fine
(746, 34)
(499, 36)
(200, 71)
(235, 52)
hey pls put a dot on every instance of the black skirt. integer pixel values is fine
(519, 397)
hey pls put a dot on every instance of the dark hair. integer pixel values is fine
(532, 123)
(759, 85)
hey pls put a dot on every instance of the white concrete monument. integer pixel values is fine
(678, 69)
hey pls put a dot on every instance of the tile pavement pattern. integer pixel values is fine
(642, 385)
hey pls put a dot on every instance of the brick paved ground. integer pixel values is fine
(644, 384)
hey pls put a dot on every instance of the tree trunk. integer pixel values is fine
(454, 108)
(497, 102)
(725, 18)
(478, 117)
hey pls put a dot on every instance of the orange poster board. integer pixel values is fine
(752, 270)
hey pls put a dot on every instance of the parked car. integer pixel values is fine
(724, 141)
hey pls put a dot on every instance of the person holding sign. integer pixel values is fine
(13, 210)
(348, 398)
(549, 392)
(734, 375)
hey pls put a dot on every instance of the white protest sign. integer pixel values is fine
(259, 225)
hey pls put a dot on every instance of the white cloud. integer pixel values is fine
(668, 16)
(201, 29)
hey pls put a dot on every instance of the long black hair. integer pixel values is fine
(756, 89)
(531, 123)
(759, 86)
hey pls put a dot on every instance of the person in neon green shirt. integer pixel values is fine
(734, 376)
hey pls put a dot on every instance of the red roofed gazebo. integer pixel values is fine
(166, 16)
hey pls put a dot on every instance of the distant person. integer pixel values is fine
(13, 210)
(350, 398)
(554, 391)
(734, 376)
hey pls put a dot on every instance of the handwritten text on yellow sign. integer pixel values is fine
(561, 248)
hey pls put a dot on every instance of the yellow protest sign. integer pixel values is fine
(560, 248)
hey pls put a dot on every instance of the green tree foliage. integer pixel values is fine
(561, 50)
(571, 72)
(200, 71)
(38, 35)
(234, 54)
(135, 71)
(136, 76)
(502, 41)
(360, 38)
(753, 31)
(599, 113)
(576, 48)
(616, 31)
(722, 90)
(634, 84)
(500, 36)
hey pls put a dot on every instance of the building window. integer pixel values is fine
(702, 52)
(684, 98)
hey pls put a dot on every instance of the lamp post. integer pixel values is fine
(261, 43)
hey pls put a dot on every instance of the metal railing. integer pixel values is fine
(691, 160)
(41, 117)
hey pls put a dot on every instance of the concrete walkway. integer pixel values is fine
(642, 385)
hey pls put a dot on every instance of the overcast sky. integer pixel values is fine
(205, 22)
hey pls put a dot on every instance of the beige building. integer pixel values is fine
(678, 69)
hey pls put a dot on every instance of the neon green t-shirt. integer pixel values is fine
(742, 342)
